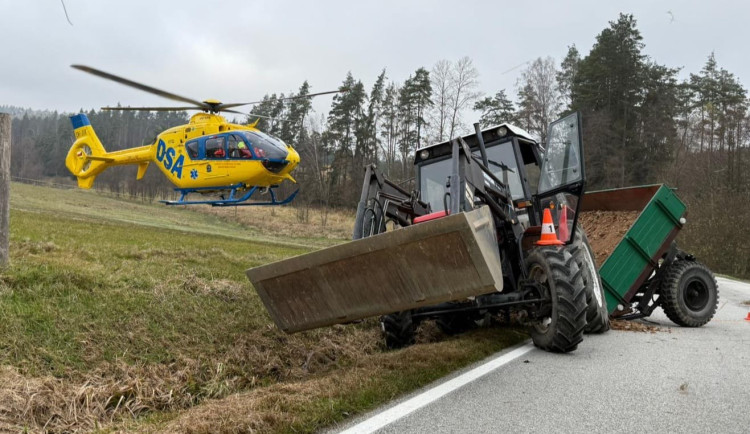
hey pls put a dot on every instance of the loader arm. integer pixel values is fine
(381, 201)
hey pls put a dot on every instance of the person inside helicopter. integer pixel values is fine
(215, 147)
(238, 148)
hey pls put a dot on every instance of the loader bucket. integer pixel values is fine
(450, 258)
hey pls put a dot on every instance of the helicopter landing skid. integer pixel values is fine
(231, 200)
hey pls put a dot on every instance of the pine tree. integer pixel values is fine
(344, 121)
(496, 110)
(421, 95)
(567, 73)
(389, 126)
(292, 126)
(608, 90)
(371, 123)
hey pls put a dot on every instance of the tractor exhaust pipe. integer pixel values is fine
(482, 148)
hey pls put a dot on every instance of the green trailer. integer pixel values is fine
(646, 269)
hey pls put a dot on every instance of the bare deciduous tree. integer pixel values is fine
(464, 79)
(442, 94)
(540, 99)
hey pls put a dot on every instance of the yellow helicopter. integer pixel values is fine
(207, 156)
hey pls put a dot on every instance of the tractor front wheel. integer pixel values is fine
(689, 293)
(398, 329)
(556, 272)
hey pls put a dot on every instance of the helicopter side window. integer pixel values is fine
(192, 149)
(215, 147)
(237, 147)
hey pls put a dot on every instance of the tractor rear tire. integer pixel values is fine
(398, 329)
(597, 313)
(555, 269)
(689, 293)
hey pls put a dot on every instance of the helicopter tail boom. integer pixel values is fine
(87, 158)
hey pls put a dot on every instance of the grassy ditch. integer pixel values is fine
(125, 316)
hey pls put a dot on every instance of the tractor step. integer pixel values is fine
(441, 260)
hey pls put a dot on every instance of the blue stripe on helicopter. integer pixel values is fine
(79, 120)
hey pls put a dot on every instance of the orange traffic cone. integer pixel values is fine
(747, 318)
(548, 231)
(563, 226)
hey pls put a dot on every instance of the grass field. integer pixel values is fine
(120, 315)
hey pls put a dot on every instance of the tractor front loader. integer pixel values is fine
(465, 246)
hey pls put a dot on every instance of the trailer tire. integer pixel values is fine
(689, 292)
(597, 313)
(555, 269)
(398, 329)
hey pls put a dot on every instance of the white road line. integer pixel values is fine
(394, 413)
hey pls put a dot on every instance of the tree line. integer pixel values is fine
(642, 125)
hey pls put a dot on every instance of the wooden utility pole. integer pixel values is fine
(4, 188)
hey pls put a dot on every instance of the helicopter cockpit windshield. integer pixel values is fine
(265, 146)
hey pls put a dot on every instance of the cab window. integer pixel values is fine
(237, 147)
(215, 147)
(192, 149)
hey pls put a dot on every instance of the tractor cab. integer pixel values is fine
(513, 156)
(536, 176)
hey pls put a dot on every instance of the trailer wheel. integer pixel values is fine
(597, 313)
(398, 329)
(689, 293)
(556, 271)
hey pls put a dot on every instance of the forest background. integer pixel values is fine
(642, 124)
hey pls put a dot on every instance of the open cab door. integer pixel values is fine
(562, 178)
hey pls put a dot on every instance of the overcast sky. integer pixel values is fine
(237, 51)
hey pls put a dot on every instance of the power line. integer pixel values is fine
(66, 12)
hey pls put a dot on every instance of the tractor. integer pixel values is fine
(476, 239)
(551, 287)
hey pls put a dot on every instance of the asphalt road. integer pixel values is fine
(674, 380)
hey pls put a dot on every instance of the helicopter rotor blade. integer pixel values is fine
(252, 115)
(152, 109)
(140, 86)
(309, 95)
(233, 111)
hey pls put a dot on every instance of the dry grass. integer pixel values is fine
(115, 325)
(298, 382)
(291, 221)
(115, 390)
(279, 407)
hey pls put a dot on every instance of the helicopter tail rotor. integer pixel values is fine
(87, 158)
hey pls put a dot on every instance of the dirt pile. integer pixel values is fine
(605, 229)
(635, 326)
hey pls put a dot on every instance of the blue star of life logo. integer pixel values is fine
(194, 174)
